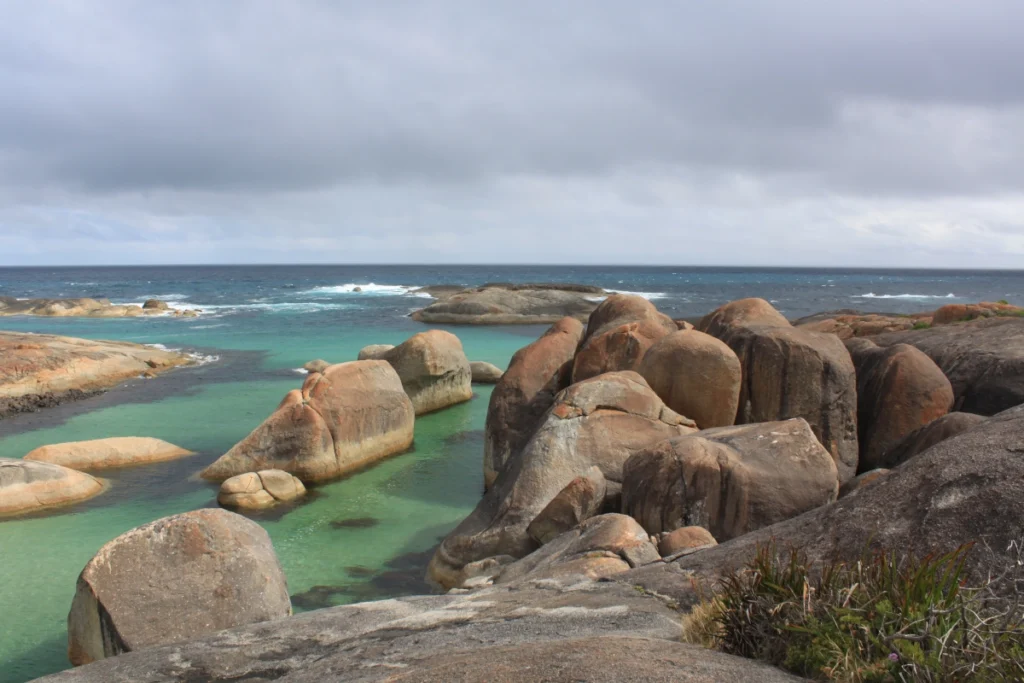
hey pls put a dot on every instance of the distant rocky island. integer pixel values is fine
(636, 469)
(86, 307)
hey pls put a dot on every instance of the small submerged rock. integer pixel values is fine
(355, 523)
(259, 490)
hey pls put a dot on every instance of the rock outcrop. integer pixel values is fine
(581, 499)
(374, 351)
(118, 451)
(790, 372)
(729, 480)
(518, 403)
(43, 369)
(317, 365)
(174, 579)
(83, 307)
(853, 324)
(559, 631)
(259, 490)
(601, 422)
(695, 375)
(899, 390)
(27, 486)
(955, 313)
(920, 440)
(434, 370)
(983, 359)
(619, 332)
(966, 489)
(485, 373)
(506, 304)
(349, 416)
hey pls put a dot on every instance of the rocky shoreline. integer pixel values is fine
(88, 307)
(629, 464)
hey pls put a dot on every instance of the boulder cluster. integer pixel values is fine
(613, 444)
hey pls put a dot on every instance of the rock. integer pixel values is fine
(862, 480)
(527, 389)
(317, 365)
(983, 359)
(557, 631)
(729, 480)
(954, 313)
(485, 373)
(619, 332)
(600, 547)
(357, 289)
(899, 390)
(741, 313)
(684, 324)
(49, 369)
(790, 372)
(684, 538)
(920, 440)
(434, 370)
(28, 486)
(695, 375)
(966, 489)
(506, 304)
(374, 351)
(851, 324)
(175, 579)
(350, 415)
(103, 453)
(601, 422)
(581, 499)
(80, 307)
(258, 490)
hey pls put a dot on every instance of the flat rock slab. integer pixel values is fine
(27, 486)
(46, 365)
(548, 630)
(502, 304)
(117, 451)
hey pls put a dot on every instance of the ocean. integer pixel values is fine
(367, 536)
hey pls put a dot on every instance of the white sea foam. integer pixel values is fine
(207, 327)
(301, 371)
(872, 295)
(646, 295)
(194, 356)
(218, 310)
(370, 289)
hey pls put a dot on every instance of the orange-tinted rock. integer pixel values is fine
(899, 390)
(619, 309)
(30, 486)
(620, 348)
(581, 499)
(525, 392)
(695, 375)
(684, 538)
(741, 313)
(952, 313)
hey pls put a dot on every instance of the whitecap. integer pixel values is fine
(301, 371)
(872, 295)
(370, 289)
(646, 295)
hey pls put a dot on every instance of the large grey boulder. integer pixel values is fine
(28, 486)
(536, 373)
(581, 499)
(174, 579)
(920, 440)
(558, 631)
(791, 372)
(729, 480)
(434, 370)
(601, 421)
(507, 304)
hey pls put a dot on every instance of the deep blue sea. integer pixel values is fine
(367, 536)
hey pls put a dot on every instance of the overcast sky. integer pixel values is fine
(868, 132)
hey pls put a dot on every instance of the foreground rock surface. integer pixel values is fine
(37, 369)
(512, 305)
(118, 451)
(790, 372)
(174, 579)
(434, 370)
(601, 422)
(557, 631)
(967, 489)
(349, 416)
(899, 390)
(27, 486)
(983, 359)
(259, 490)
(729, 480)
(526, 391)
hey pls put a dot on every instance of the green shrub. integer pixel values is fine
(885, 618)
(922, 325)
(1003, 302)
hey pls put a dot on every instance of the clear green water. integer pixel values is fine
(400, 506)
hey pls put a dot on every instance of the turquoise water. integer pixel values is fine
(386, 518)
(368, 536)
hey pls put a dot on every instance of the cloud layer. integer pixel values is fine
(784, 133)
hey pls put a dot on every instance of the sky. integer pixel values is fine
(787, 133)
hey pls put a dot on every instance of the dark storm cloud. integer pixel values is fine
(903, 97)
